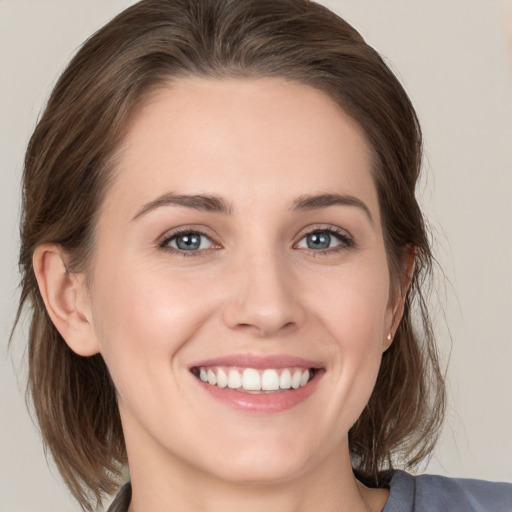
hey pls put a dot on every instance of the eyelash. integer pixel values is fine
(164, 244)
(346, 242)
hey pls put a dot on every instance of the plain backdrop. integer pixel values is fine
(453, 58)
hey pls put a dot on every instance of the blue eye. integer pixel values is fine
(324, 239)
(188, 241)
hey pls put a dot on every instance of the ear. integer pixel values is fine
(399, 293)
(66, 299)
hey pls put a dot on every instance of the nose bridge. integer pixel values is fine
(263, 298)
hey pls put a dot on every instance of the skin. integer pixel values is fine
(255, 287)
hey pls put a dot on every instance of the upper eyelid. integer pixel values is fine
(176, 232)
(164, 243)
(344, 237)
(336, 230)
(203, 231)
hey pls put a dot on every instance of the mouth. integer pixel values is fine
(258, 384)
(254, 380)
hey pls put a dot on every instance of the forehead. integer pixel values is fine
(254, 139)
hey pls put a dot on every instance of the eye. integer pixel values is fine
(323, 239)
(189, 241)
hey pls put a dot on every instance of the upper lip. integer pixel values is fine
(259, 361)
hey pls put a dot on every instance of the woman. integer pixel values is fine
(223, 252)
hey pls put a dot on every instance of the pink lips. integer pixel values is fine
(261, 403)
(258, 362)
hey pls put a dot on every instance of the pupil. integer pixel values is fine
(188, 242)
(319, 241)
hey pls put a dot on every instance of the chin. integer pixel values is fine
(267, 461)
(259, 470)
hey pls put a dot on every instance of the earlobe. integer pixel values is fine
(400, 295)
(65, 298)
(387, 342)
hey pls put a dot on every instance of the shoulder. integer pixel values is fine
(430, 493)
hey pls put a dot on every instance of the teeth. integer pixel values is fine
(297, 376)
(285, 381)
(222, 378)
(234, 379)
(252, 380)
(304, 379)
(270, 380)
(212, 378)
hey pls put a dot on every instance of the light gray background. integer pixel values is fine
(452, 57)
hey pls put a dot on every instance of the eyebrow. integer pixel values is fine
(216, 204)
(314, 202)
(203, 202)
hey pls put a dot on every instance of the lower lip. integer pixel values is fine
(269, 403)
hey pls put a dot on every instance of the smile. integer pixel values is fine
(258, 384)
(252, 380)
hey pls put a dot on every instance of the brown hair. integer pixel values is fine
(69, 162)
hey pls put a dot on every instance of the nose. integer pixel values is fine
(263, 297)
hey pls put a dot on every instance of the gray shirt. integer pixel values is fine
(425, 493)
(429, 493)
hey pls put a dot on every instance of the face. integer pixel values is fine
(240, 247)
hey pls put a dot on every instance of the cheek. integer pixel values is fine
(354, 305)
(143, 316)
(354, 312)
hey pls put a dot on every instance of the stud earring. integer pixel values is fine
(389, 337)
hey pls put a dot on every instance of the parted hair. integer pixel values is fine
(70, 160)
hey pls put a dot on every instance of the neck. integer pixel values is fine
(170, 485)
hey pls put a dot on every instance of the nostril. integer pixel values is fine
(262, 330)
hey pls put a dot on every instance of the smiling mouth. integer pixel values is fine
(255, 381)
